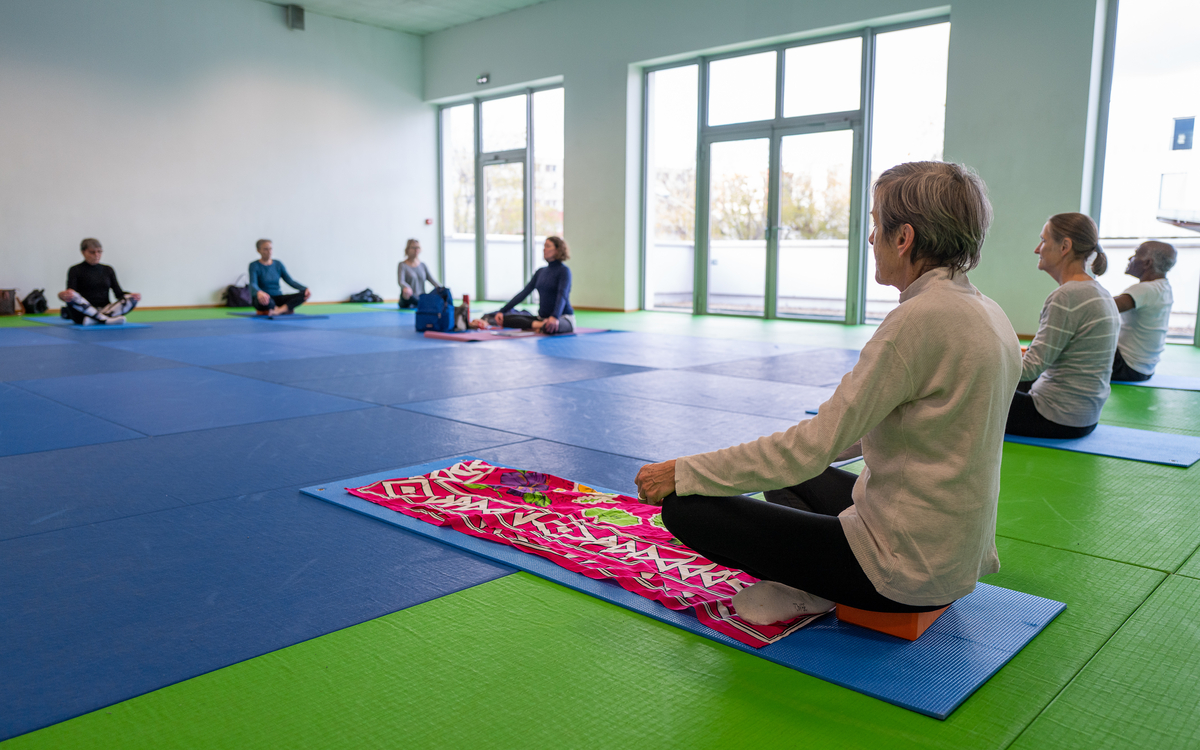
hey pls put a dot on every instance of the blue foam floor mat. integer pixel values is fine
(72, 325)
(31, 423)
(219, 350)
(626, 426)
(764, 398)
(657, 350)
(1128, 443)
(933, 675)
(26, 337)
(426, 355)
(147, 601)
(293, 316)
(1172, 382)
(815, 367)
(159, 402)
(34, 362)
(417, 383)
(41, 491)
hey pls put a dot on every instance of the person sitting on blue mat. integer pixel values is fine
(925, 406)
(553, 285)
(88, 284)
(412, 275)
(266, 294)
(1145, 311)
(1066, 369)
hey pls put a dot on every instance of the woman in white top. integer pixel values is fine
(412, 275)
(1066, 370)
(1145, 311)
(928, 399)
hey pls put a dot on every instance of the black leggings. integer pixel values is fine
(291, 301)
(773, 542)
(524, 321)
(1025, 420)
(1122, 370)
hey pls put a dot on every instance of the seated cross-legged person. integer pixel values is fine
(412, 275)
(1145, 311)
(553, 285)
(88, 284)
(266, 294)
(1065, 371)
(927, 400)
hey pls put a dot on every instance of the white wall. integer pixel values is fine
(1017, 107)
(180, 132)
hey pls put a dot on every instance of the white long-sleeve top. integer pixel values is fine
(929, 397)
(1071, 355)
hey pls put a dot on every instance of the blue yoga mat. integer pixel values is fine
(65, 323)
(1173, 382)
(293, 316)
(1126, 442)
(932, 675)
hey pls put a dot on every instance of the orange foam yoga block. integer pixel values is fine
(907, 625)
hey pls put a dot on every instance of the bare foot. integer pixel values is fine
(537, 324)
(115, 320)
(281, 310)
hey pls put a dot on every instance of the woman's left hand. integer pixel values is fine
(655, 481)
(307, 293)
(550, 325)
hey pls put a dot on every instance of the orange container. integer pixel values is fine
(907, 625)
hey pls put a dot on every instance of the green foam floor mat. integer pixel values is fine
(1142, 690)
(1158, 409)
(524, 663)
(1191, 568)
(1132, 512)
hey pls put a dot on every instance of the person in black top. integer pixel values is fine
(553, 285)
(88, 285)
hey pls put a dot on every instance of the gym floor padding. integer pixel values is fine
(519, 662)
(1125, 442)
(969, 643)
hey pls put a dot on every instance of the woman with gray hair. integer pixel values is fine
(1066, 370)
(1145, 311)
(928, 399)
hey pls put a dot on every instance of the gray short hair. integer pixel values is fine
(946, 205)
(1162, 255)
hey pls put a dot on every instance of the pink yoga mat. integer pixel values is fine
(502, 334)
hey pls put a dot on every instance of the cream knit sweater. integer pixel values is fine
(929, 397)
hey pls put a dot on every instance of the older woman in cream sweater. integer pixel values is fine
(928, 399)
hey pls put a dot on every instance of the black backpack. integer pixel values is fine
(35, 302)
(366, 295)
(238, 296)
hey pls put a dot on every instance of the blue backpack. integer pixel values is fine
(435, 311)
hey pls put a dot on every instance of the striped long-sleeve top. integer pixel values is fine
(1071, 356)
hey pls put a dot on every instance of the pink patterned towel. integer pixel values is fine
(600, 535)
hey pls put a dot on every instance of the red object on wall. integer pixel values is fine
(428, 222)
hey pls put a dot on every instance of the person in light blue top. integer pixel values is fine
(266, 294)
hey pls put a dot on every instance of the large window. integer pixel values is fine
(757, 166)
(502, 189)
(1151, 183)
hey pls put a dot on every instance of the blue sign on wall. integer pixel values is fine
(1184, 127)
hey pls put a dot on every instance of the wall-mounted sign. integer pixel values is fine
(1184, 127)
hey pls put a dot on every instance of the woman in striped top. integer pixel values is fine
(1065, 371)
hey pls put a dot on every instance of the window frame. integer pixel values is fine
(524, 156)
(860, 120)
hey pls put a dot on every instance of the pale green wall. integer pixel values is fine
(1016, 109)
(180, 132)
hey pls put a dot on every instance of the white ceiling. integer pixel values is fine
(413, 16)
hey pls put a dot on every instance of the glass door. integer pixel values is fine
(814, 224)
(738, 190)
(504, 229)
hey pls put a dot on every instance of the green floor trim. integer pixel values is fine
(18, 321)
(1128, 511)
(524, 663)
(222, 313)
(1141, 690)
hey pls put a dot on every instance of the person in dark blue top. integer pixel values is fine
(553, 285)
(265, 292)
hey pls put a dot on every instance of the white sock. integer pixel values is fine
(768, 602)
